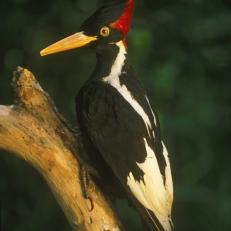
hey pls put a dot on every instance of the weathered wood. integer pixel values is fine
(33, 130)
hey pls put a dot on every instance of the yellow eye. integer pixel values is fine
(105, 31)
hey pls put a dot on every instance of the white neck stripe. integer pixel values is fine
(118, 64)
(113, 80)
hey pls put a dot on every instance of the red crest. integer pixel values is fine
(124, 21)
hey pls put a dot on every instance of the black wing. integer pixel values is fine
(114, 128)
(120, 136)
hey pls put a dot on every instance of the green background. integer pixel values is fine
(181, 51)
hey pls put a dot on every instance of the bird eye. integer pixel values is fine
(105, 31)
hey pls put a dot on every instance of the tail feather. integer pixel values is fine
(156, 224)
(151, 221)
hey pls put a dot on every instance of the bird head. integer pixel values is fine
(108, 25)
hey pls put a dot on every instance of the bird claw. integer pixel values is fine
(90, 204)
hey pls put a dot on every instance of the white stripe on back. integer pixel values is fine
(113, 80)
(152, 193)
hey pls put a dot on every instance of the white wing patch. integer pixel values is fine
(113, 80)
(152, 193)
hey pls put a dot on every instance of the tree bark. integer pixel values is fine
(33, 130)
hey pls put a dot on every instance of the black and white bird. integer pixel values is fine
(120, 130)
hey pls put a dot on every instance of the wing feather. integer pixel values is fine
(121, 137)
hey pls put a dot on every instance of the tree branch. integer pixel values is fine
(33, 130)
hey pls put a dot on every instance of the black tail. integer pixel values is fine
(151, 222)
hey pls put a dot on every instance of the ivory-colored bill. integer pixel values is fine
(74, 41)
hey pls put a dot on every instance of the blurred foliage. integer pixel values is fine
(181, 50)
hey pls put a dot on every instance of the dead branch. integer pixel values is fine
(33, 130)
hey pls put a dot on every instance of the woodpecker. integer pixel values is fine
(119, 127)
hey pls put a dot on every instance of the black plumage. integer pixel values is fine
(116, 131)
(104, 16)
(120, 131)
